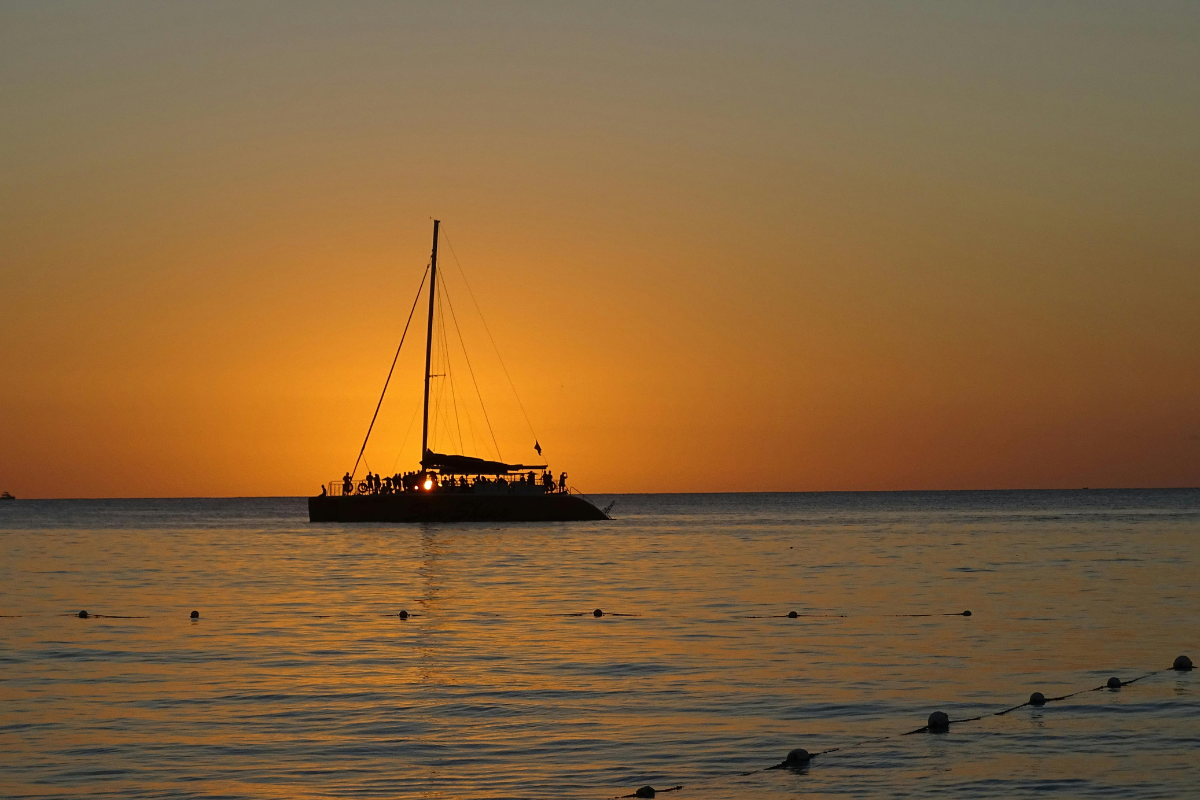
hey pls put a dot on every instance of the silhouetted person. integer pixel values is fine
(562, 482)
(322, 490)
(347, 484)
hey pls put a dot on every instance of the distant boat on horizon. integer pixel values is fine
(6, 496)
(450, 487)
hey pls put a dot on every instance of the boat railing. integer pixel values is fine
(605, 511)
(334, 489)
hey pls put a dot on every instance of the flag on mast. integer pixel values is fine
(537, 447)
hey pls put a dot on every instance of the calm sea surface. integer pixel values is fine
(299, 680)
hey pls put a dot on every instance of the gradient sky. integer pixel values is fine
(735, 246)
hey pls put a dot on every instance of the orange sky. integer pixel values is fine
(721, 246)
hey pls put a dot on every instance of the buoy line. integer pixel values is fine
(597, 613)
(798, 758)
(650, 791)
(938, 722)
(797, 615)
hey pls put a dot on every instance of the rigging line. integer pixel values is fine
(435, 390)
(450, 406)
(471, 370)
(441, 412)
(442, 415)
(436, 422)
(404, 441)
(453, 393)
(389, 375)
(478, 310)
(445, 344)
(437, 418)
(475, 448)
(466, 410)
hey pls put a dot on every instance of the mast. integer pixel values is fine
(429, 343)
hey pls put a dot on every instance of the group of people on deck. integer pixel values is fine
(431, 481)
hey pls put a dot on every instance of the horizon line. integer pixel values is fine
(648, 494)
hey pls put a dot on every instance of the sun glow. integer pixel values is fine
(1011, 310)
(428, 484)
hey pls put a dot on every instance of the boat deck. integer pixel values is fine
(453, 507)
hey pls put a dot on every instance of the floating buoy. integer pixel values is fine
(1037, 699)
(797, 758)
(1182, 663)
(1114, 683)
(966, 613)
(645, 791)
(792, 615)
(599, 613)
(939, 722)
(403, 614)
(195, 615)
(83, 615)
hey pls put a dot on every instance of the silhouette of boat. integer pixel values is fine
(6, 496)
(450, 487)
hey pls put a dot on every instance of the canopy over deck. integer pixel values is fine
(469, 465)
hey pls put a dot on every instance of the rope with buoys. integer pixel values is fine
(650, 791)
(940, 722)
(597, 613)
(798, 615)
(798, 758)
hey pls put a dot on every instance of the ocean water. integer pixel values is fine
(299, 680)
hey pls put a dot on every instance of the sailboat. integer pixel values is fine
(450, 487)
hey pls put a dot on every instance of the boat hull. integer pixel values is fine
(447, 507)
